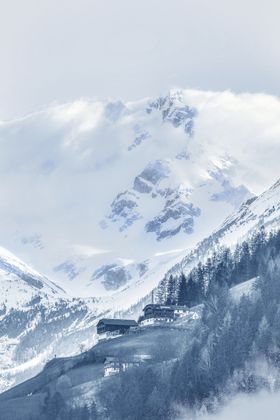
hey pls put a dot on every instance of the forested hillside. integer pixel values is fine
(234, 348)
(224, 268)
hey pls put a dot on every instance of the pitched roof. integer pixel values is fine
(126, 322)
(158, 306)
(162, 306)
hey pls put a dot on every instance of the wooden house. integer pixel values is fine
(106, 325)
(156, 313)
(115, 365)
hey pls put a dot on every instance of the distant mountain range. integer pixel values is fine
(101, 189)
(111, 198)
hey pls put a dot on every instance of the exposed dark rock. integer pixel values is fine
(174, 210)
(70, 268)
(175, 111)
(114, 276)
(155, 172)
(141, 185)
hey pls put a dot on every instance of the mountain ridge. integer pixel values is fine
(167, 184)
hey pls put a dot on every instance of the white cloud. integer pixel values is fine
(87, 251)
(171, 251)
(257, 407)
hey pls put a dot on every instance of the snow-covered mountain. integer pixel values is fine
(107, 197)
(103, 190)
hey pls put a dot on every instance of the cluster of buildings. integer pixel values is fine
(153, 314)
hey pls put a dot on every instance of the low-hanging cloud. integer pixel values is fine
(245, 407)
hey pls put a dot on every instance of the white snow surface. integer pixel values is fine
(243, 289)
(101, 183)
(262, 212)
(20, 283)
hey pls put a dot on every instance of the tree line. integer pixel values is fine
(223, 267)
(220, 356)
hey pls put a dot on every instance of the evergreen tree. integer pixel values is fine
(200, 279)
(193, 292)
(170, 292)
(183, 298)
(244, 264)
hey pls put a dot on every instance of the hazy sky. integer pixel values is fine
(60, 50)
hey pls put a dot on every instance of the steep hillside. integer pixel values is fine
(79, 378)
(185, 366)
(262, 212)
(21, 285)
(38, 320)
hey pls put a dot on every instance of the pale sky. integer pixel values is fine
(61, 50)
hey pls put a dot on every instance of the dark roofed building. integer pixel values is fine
(109, 325)
(154, 313)
(153, 309)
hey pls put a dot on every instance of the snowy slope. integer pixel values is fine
(21, 284)
(258, 212)
(38, 320)
(264, 210)
(243, 289)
